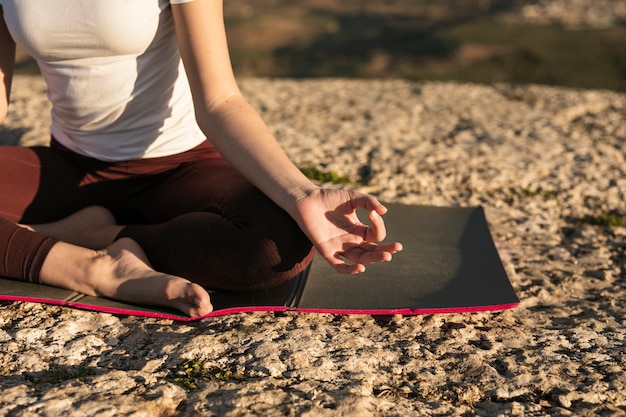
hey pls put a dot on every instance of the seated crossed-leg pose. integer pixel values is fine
(131, 201)
(193, 216)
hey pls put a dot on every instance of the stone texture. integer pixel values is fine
(542, 161)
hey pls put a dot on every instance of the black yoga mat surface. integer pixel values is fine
(449, 264)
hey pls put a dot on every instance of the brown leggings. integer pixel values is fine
(192, 213)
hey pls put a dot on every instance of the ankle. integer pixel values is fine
(74, 267)
(99, 270)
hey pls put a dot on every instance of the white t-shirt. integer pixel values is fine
(115, 78)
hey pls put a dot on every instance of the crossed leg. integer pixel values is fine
(92, 227)
(89, 260)
(188, 245)
(121, 272)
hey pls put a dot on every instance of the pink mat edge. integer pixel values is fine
(236, 310)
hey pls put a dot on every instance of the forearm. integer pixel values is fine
(242, 137)
(222, 113)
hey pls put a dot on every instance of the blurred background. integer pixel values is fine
(574, 43)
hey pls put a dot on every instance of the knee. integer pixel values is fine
(227, 254)
(267, 260)
(241, 241)
(270, 246)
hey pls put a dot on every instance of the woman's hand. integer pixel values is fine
(329, 219)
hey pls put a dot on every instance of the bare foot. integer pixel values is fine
(122, 272)
(92, 227)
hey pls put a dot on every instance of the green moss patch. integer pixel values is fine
(545, 194)
(193, 372)
(316, 174)
(607, 220)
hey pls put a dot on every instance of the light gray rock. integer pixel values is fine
(542, 161)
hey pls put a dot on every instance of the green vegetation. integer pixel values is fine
(192, 372)
(545, 194)
(539, 54)
(607, 220)
(316, 174)
(56, 376)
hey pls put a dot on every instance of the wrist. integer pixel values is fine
(297, 196)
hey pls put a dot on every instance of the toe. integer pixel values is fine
(197, 301)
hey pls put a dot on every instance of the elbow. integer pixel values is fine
(216, 112)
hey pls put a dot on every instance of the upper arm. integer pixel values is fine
(7, 61)
(202, 42)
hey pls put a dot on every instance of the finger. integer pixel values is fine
(360, 255)
(368, 203)
(340, 265)
(392, 248)
(350, 269)
(344, 267)
(368, 253)
(377, 231)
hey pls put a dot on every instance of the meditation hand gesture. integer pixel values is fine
(329, 219)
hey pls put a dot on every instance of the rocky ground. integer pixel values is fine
(547, 164)
(574, 14)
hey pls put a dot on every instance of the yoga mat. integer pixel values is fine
(449, 265)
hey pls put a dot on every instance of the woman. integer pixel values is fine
(160, 180)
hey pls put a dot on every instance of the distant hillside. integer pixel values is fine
(556, 42)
